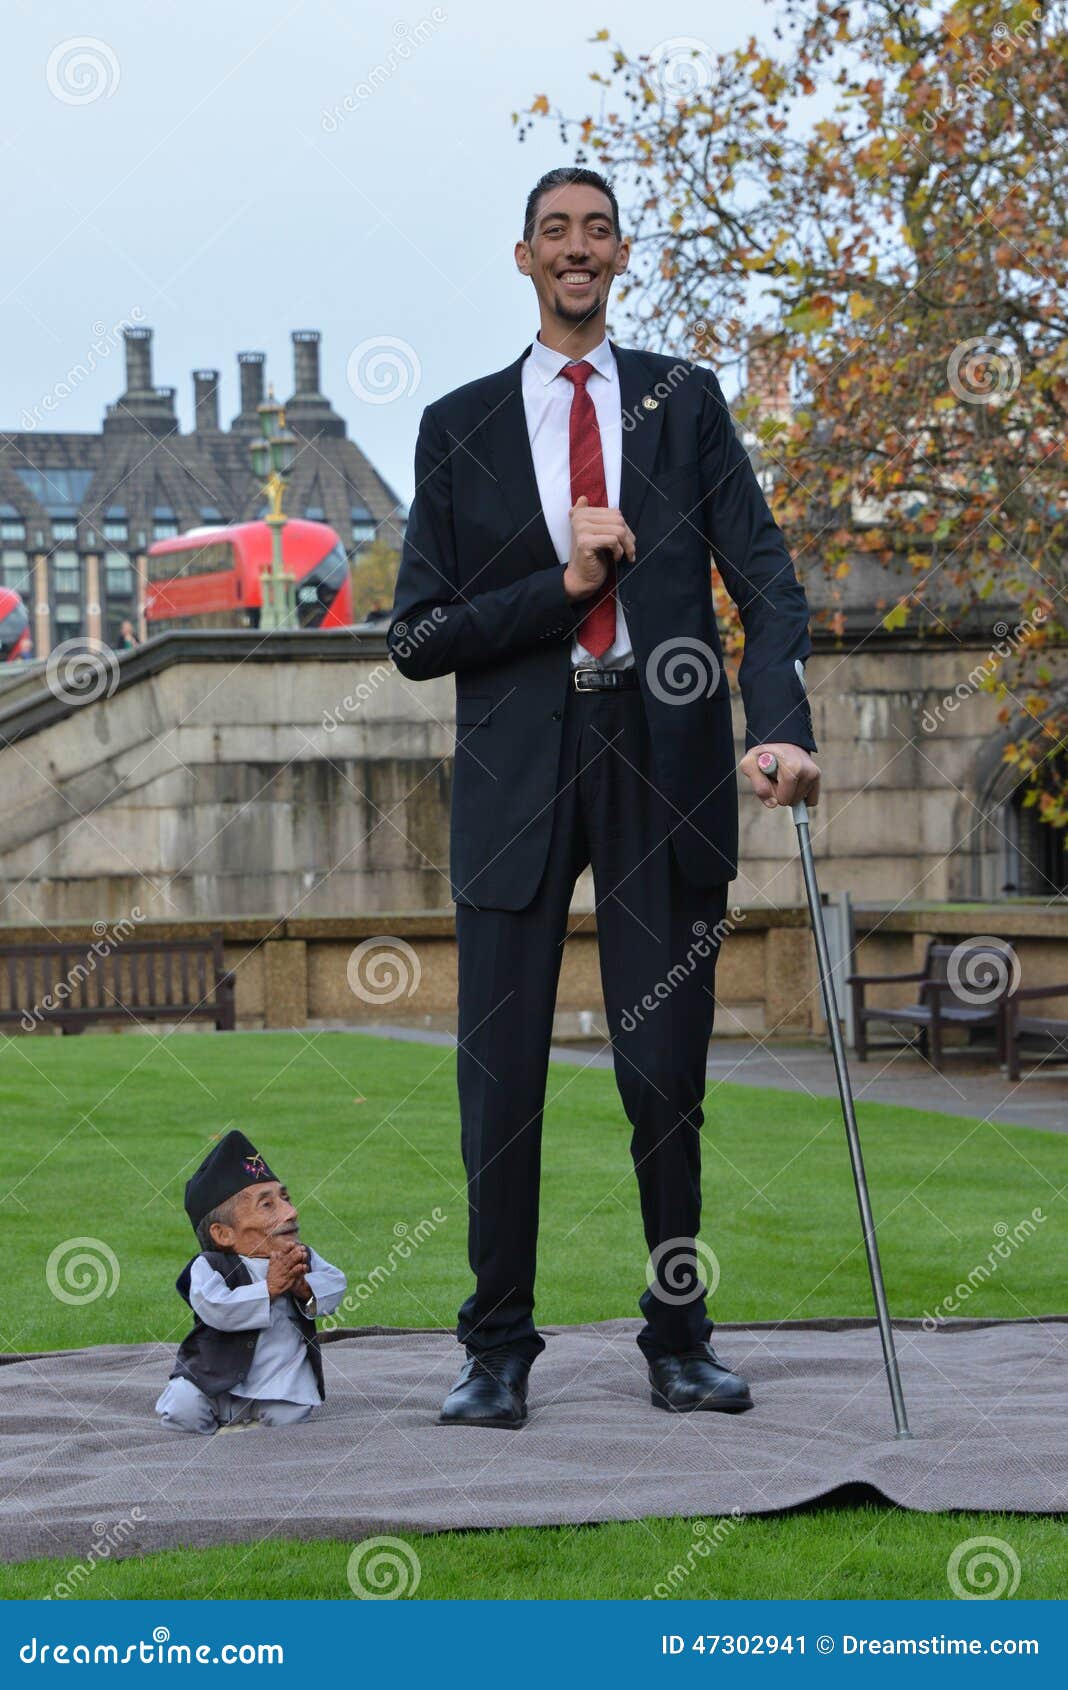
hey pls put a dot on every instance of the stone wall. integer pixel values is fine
(237, 775)
(401, 968)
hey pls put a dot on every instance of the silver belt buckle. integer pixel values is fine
(579, 672)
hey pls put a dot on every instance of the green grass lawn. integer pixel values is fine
(100, 1133)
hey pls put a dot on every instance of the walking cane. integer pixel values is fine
(768, 765)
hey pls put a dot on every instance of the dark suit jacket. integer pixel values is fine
(480, 593)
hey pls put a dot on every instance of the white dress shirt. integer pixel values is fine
(280, 1371)
(547, 398)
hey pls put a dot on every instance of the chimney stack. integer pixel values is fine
(142, 407)
(138, 360)
(250, 367)
(308, 411)
(206, 401)
(306, 360)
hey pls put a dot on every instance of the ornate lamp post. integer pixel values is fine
(273, 457)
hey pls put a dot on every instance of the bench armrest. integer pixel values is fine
(1060, 991)
(881, 979)
(937, 989)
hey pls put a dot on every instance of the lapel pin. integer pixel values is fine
(650, 403)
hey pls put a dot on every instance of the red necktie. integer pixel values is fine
(597, 629)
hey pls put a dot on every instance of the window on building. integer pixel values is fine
(64, 528)
(60, 491)
(1035, 861)
(114, 525)
(16, 570)
(118, 575)
(67, 622)
(164, 523)
(12, 526)
(66, 572)
(363, 525)
(120, 596)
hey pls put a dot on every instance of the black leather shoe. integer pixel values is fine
(490, 1391)
(697, 1379)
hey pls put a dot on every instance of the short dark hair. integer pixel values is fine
(564, 176)
(221, 1215)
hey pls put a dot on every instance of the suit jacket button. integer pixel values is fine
(556, 715)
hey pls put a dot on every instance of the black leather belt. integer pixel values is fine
(588, 678)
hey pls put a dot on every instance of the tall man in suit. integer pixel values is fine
(557, 561)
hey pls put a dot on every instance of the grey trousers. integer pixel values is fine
(185, 1408)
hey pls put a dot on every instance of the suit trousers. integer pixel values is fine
(658, 937)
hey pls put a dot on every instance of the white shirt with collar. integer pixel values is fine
(547, 398)
(280, 1368)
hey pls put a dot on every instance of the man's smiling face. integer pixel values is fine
(573, 256)
(260, 1215)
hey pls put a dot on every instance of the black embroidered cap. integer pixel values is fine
(228, 1168)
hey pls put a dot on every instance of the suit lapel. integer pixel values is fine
(507, 445)
(641, 431)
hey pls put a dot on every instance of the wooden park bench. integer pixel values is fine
(939, 1004)
(1018, 1027)
(75, 983)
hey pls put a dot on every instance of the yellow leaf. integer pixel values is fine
(859, 306)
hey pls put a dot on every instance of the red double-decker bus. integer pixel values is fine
(211, 577)
(15, 640)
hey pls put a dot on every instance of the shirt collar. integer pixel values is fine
(548, 363)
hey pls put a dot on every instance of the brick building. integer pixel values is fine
(78, 511)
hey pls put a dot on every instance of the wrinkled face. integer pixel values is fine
(573, 256)
(261, 1214)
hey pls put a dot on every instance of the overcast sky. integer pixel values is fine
(223, 172)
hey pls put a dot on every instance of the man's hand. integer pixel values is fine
(599, 536)
(798, 777)
(286, 1268)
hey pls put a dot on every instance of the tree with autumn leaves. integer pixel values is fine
(884, 190)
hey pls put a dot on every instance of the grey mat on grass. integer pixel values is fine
(82, 1455)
